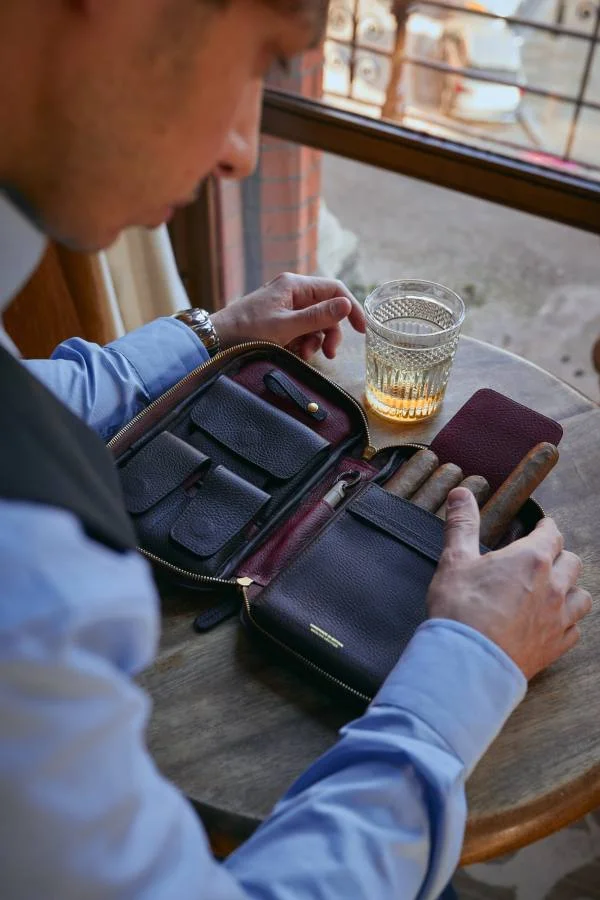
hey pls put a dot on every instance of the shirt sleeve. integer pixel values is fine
(383, 813)
(86, 813)
(108, 386)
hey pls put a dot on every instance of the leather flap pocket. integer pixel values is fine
(164, 464)
(415, 527)
(222, 507)
(255, 430)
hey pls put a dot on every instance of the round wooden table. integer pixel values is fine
(233, 730)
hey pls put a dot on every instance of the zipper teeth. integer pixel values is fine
(220, 357)
(206, 579)
(299, 656)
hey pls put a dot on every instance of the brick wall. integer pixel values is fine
(269, 222)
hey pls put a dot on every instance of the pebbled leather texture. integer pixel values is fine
(253, 429)
(221, 456)
(222, 507)
(351, 601)
(491, 434)
(157, 469)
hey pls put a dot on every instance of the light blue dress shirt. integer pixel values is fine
(84, 813)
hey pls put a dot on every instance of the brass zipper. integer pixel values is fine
(202, 578)
(163, 400)
(303, 659)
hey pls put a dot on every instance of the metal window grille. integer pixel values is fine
(358, 42)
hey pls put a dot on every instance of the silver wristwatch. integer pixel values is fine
(200, 323)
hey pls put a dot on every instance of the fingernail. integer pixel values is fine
(339, 307)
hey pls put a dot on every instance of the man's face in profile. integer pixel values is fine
(133, 103)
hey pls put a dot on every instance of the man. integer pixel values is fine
(111, 112)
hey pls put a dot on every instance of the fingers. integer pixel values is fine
(322, 316)
(567, 571)
(357, 317)
(461, 535)
(570, 640)
(307, 346)
(309, 291)
(577, 605)
(333, 338)
(546, 538)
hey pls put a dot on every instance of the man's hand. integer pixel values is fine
(296, 311)
(524, 597)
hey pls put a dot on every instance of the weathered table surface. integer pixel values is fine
(233, 730)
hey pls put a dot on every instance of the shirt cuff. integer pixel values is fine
(459, 683)
(162, 353)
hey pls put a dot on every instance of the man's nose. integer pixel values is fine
(240, 153)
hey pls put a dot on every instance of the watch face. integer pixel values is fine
(200, 323)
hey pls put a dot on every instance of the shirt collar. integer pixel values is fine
(21, 249)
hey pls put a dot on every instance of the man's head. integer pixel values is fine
(114, 110)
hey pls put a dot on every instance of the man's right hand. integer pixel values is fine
(524, 597)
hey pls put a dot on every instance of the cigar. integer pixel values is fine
(437, 487)
(501, 509)
(478, 486)
(412, 474)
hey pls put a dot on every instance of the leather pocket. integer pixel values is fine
(198, 527)
(409, 524)
(222, 507)
(256, 431)
(156, 470)
(351, 601)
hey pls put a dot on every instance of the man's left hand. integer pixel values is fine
(296, 311)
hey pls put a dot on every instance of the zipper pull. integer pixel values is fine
(336, 494)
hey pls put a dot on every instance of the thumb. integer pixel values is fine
(462, 524)
(322, 316)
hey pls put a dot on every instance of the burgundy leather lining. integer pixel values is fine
(335, 428)
(289, 540)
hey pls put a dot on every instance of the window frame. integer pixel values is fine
(541, 191)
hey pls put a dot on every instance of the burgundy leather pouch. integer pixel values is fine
(491, 434)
